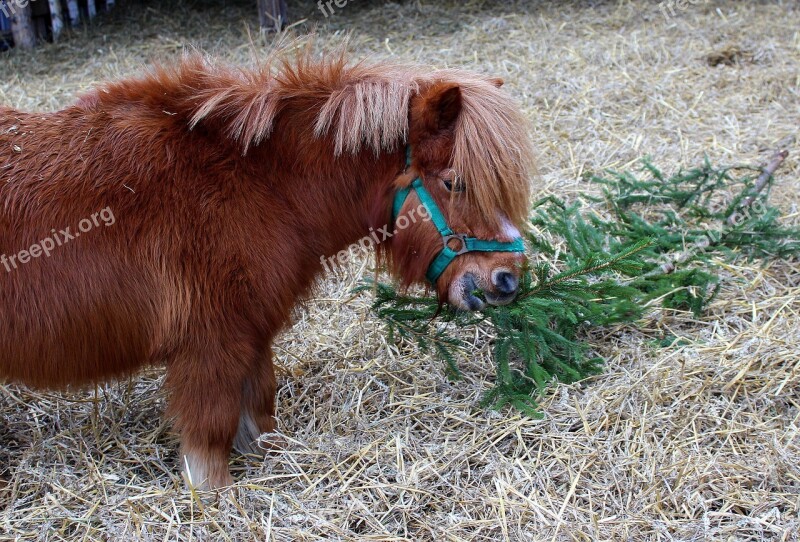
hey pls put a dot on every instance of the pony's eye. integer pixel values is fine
(455, 185)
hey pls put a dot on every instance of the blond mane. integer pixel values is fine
(365, 105)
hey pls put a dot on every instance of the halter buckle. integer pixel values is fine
(461, 238)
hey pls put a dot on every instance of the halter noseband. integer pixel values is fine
(447, 254)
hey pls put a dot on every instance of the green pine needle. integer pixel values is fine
(645, 243)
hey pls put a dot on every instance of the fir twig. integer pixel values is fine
(591, 267)
(761, 182)
(621, 255)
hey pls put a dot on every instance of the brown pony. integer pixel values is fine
(177, 218)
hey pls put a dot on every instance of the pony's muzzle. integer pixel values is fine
(506, 285)
(473, 294)
(469, 288)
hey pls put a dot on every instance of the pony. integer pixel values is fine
(178, 216)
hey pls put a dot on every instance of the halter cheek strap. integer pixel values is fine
(466, 244)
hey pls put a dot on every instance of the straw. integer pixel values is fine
(697, 442)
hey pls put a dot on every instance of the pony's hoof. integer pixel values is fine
(206, 471)
(263, 446)
(214, 483)
(273, 442)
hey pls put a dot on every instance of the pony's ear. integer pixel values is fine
(497, 81)
(437, 108)
(449, 107)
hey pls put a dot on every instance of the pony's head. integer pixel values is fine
(464, 195)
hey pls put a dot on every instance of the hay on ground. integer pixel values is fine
(692, 443)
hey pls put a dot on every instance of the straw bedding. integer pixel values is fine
(698, 442)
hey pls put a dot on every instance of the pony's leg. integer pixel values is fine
(206, 399)
(258, 407)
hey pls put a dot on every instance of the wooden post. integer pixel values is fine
(91, 8)
(74, 12)
(57, 20)
(22, 27)
(272, 14)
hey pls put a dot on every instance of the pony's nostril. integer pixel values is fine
(505, 282)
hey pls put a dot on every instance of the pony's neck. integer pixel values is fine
(338, 202)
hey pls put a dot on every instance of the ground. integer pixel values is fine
(698, 442)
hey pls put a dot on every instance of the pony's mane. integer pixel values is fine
(362, 106)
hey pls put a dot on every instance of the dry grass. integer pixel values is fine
(694, 443)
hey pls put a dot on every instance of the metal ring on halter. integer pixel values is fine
(461, 238)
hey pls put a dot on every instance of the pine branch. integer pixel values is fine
(589, 268)
(761, 182)
(620, 255)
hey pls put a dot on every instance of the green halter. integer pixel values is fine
(447, 254)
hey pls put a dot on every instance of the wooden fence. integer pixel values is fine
(31, 21)
(27, 22)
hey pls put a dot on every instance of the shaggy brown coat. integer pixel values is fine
(227, 187)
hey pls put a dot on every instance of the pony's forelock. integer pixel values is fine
(492, 150)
